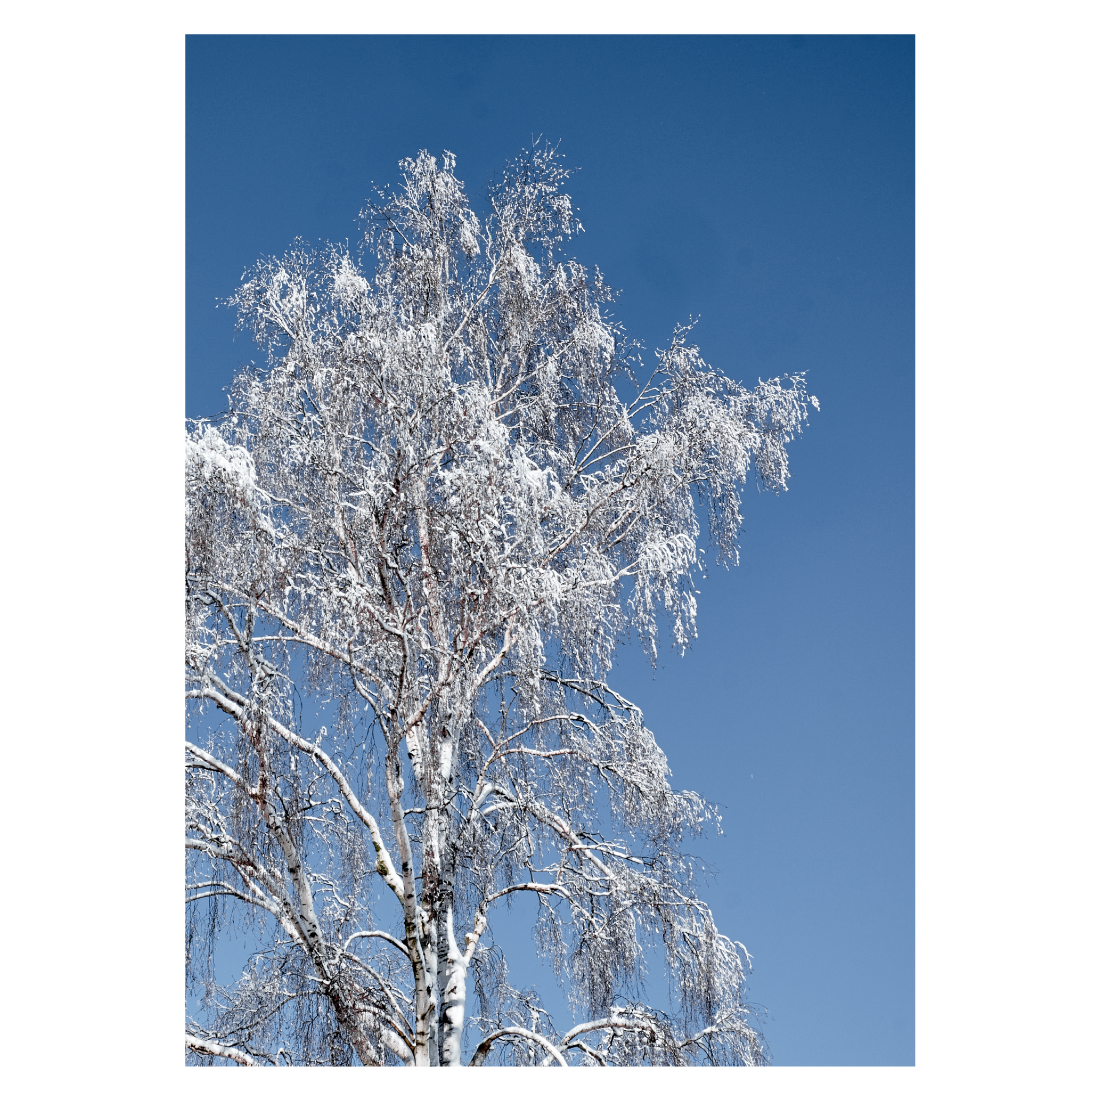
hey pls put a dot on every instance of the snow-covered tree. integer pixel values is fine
(427, 521)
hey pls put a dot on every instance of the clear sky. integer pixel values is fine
(764, 185)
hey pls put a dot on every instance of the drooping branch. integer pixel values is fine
(482, 1051)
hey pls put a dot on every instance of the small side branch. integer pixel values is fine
(379, 935)
(208, 1046)
(483, 1048)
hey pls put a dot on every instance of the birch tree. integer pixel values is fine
(414, 542)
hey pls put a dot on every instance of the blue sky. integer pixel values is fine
(766, 186)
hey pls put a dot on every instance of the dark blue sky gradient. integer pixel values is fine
(766, 186)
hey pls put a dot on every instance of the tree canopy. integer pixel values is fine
(452, 489)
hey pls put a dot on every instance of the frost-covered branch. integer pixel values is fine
(216, 1050)
(533, 1036)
